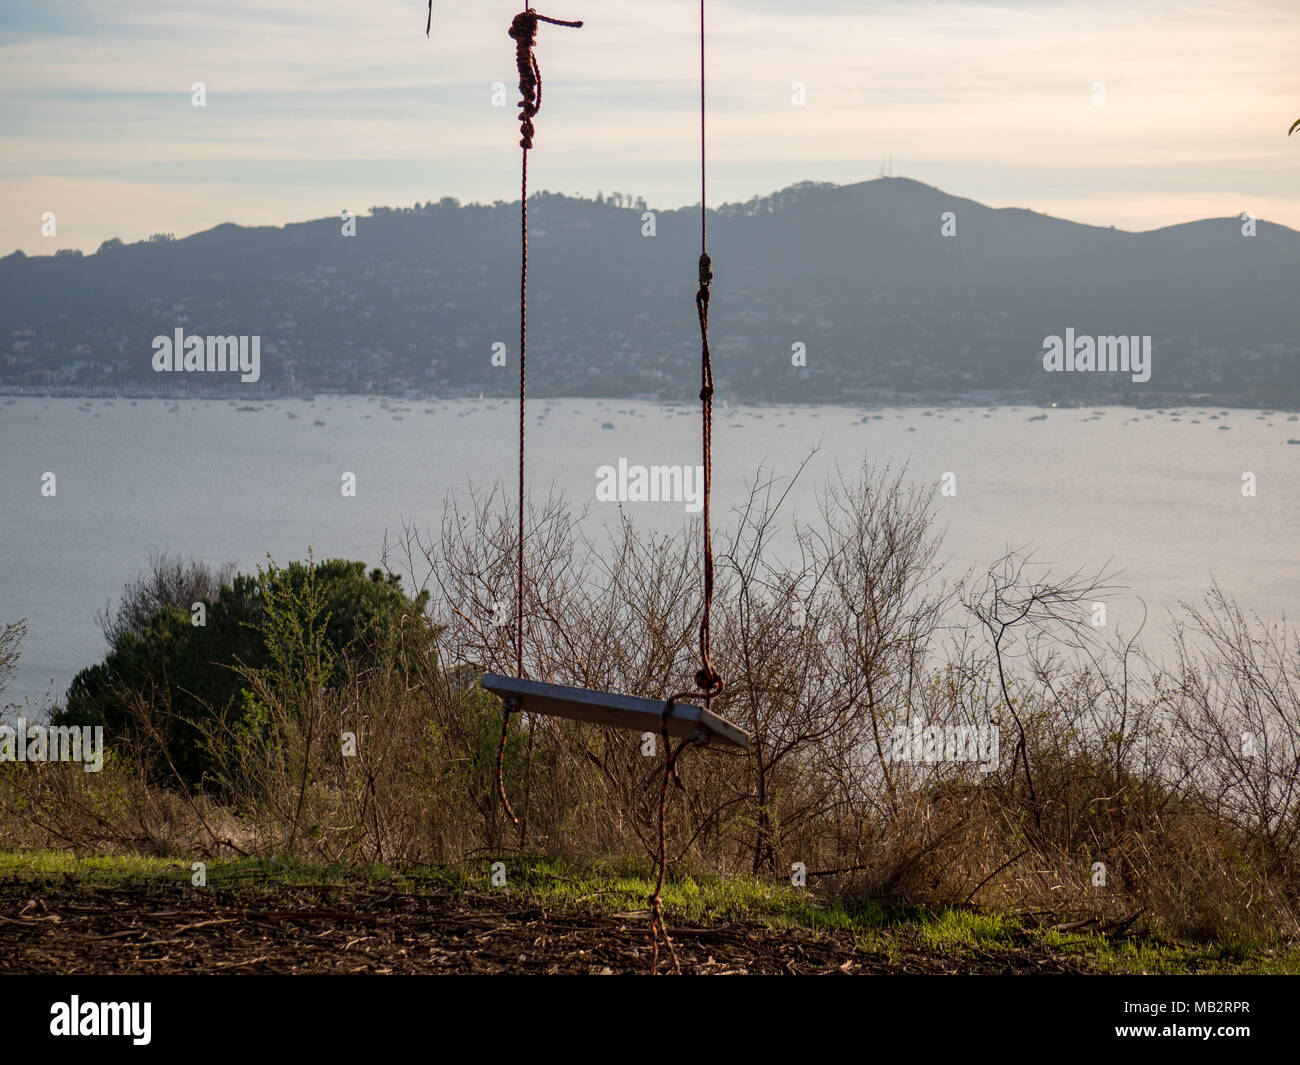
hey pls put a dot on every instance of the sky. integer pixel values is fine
(1132, 113)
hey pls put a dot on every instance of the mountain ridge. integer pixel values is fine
(861, 275)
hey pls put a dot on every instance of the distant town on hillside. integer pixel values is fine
(865, 293)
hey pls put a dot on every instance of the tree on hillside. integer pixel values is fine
(167, 678)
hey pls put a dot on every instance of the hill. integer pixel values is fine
(860, 274)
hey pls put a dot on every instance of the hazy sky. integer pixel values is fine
(314, 106)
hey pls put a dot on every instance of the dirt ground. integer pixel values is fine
(67, 927)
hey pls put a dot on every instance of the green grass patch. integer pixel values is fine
(613, 887)
(951, 931)
(98, 870)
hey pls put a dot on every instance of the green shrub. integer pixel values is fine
(166, 680)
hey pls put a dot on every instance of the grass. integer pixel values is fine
(620, 888)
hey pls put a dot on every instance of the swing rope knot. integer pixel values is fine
(524, 31)
(708, 680)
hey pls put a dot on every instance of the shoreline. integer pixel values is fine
(876, 401)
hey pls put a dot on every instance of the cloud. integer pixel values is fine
(992, 101)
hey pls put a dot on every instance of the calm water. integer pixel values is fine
(1160, 497)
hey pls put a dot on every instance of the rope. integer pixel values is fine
(707, 680)
(523, 29)
(706, 677)
(657, 927)
(703, 217)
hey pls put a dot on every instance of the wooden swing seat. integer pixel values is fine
(686, 720)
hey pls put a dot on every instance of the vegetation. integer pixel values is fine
(1143, 798)
(614, 888)
(187, 644)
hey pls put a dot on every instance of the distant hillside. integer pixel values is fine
(858, 274)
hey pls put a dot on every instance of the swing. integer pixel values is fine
(686, 720)
(679, 715)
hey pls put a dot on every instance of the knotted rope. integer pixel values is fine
(524, 31)
(708, 682)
